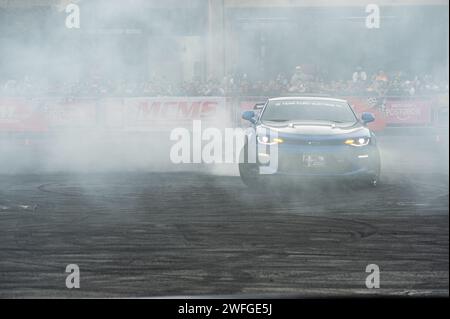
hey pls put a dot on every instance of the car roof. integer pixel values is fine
(307, 98)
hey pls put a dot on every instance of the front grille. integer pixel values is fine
(297, 141)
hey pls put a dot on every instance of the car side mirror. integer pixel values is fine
(249, 116)
(367, 117)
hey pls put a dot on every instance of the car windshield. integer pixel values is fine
(308, 110)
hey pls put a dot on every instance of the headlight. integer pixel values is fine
(360, 141)
(266, 140)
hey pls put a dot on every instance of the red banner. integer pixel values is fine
(32, 115)
(71, 113)
(163, 112)
(409, 111)
(38, 115)
(21, 115)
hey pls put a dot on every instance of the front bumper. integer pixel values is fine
(334, 161)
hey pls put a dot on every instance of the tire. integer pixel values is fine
(376, 178)
(374, 181)
(249, 172)
(248, 175)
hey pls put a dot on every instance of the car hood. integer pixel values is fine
(316, 130)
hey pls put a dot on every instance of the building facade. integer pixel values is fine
(182, 40)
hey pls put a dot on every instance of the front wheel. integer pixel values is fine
(374, 181)
(249, 172)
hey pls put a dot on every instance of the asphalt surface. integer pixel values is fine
(156, 234)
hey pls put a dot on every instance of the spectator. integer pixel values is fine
(297, 78)
(359, 75)
(381, 76)
(381, 84)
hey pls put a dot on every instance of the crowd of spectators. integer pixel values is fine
(358, 83)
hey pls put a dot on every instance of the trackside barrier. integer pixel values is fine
(117, 114)
(137, 114)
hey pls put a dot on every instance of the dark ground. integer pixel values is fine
(180, 233)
